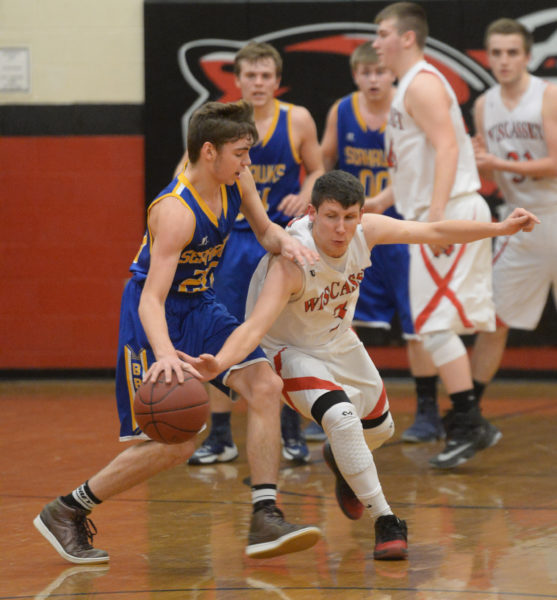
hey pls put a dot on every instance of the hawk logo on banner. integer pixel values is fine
(316, 68)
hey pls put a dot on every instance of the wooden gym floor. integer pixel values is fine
(484, 531)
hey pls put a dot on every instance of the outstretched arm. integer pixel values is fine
(379, 229)
(283, 279)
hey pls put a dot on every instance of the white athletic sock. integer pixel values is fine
(368, 489)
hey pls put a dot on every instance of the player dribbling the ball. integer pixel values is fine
(169, 312)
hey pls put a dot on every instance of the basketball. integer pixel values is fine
(173, 412)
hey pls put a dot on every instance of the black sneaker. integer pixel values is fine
(464, 433)
(270, 535)
(346, 498)
(489, 436)
(391, 538)
(70, 532)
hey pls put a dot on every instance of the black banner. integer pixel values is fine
(189, 49)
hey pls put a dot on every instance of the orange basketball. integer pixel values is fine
(173, 412)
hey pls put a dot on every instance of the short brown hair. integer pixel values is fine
(509, 27)
(340, 186)
(254, 51)
(364, 54)
(409, 17)
(219, 123)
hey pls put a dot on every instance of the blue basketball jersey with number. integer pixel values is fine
(196, 322)
(361, 150)
(384, 289)
(275, 166)
(202, 253)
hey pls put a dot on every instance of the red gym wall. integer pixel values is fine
(71, 220)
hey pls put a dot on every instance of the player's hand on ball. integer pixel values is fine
(177, 363)
(206, 365)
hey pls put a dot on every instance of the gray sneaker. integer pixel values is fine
(270, 535)
(70, 532)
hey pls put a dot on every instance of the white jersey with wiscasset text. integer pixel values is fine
(518, 134)
(323, 310)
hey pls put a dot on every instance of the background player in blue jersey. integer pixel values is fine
(287, 142)
(168, 311)
(354, 141)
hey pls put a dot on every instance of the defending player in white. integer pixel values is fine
(302, 315)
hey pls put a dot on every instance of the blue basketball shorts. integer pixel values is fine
(197, 323)
(233, 274)
(384, 289)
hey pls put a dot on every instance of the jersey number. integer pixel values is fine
(515, 156)
(372, 182)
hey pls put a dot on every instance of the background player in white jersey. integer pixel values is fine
(354, 141)
(516, 144)
(169, 309)
(302, 315)
(287, 142)
(434, 176)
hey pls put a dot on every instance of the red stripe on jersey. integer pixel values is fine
(501, 250)
(442, 290)
(299, 384)
(379, 407)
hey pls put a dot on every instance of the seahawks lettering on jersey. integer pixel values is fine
(201, 255)
(275, 166)
(518, 135)
(361, 149)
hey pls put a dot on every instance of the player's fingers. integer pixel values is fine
(176, 369)
(153, 373)
(188, 368)
(148, 374)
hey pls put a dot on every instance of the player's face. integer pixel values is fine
(507, 57)
(334, 226)
(258, 81)
(388, 43)
(231, 160)
(374, 81)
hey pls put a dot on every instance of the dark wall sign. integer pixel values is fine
(189, 48)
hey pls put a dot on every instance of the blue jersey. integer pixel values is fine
(196, 322)
(275, 166)
(384, 289)
(360, 149)
(201, 255)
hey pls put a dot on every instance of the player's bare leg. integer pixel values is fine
(64, 522)
(488, 353)
(270, 535)
(136, 464)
